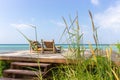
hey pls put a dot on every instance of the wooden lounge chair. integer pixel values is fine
(49, 46)
(36, 47)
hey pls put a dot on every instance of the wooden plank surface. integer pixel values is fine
(30, 64)
(23, 72)
(45, 57)
(33, 57)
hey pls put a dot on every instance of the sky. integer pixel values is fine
(47, 15)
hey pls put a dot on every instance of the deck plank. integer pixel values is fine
(33, 57)
(13, 79)
(45, 57)
(22, 72)
(30, 64)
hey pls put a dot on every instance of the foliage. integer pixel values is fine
(93, 68)
(3, 65)
(88, 69)
(96, 67)
(118, 47)
(95, 34)
(35, 45)
(74, 37)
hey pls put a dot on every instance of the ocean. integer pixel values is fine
(19, 47)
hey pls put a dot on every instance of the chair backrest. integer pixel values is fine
(35, 45)
(49, 44)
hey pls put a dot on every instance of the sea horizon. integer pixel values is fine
(19, 47)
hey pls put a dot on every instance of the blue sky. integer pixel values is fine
(46, 15)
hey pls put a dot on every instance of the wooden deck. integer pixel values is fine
(25, 58)
(44, 57)
(33, 57)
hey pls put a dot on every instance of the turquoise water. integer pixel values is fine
(13, 47)
(18, 47)
(86, 46)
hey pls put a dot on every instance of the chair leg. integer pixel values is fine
(42, 51)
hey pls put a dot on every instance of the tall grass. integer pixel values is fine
(34, 44)
(118, 47)
(96, 67)
(74, 37)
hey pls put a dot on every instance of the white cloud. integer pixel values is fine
(95, 2)
(110, 18)
(57, 23)
(21, 26)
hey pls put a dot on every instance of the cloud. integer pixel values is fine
(22, 26)
(95, 2)
(110, 18)
(57, 23)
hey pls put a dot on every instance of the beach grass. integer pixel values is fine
(96, 67)
(118, 47)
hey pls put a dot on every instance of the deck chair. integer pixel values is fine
(49, 46)
(35, 47)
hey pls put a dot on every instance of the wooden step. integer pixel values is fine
(13, 79)
(22, 72)
(9, 79)
(17, 65)
(29, 64)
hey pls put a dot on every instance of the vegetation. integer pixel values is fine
(97, 67)
(74, 37)
(118, 47)
(34, 44)
(101, 69)
(3, 65)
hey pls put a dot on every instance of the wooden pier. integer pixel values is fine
(25, 58)
(33, 57)
(46, 57)
(20, 59)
